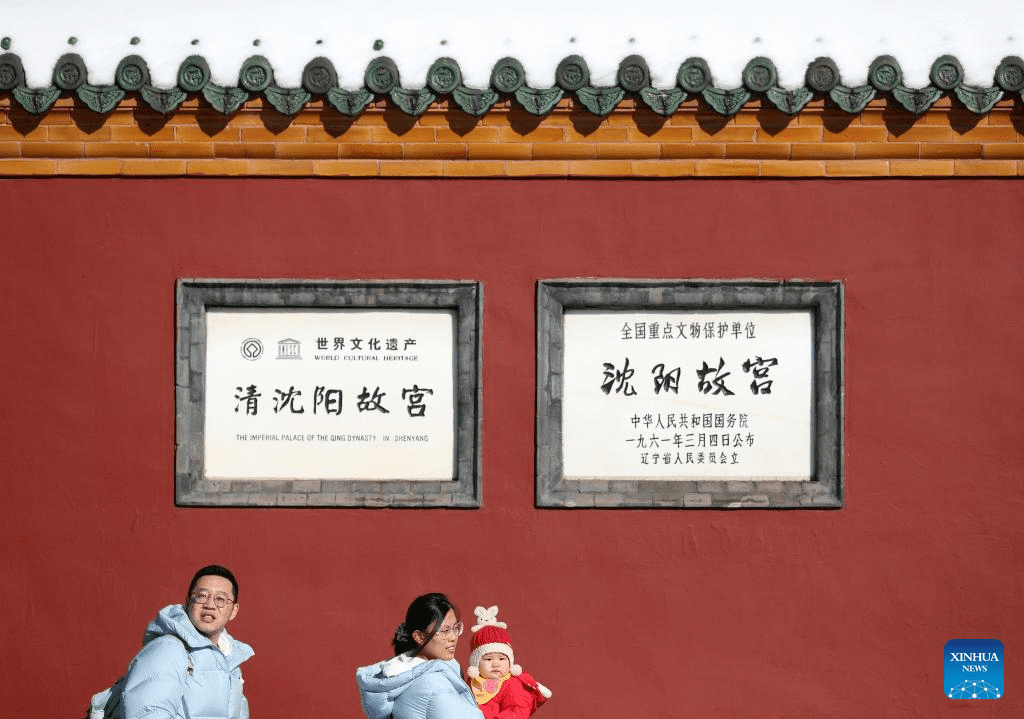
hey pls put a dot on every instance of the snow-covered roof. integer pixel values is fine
(661, 51)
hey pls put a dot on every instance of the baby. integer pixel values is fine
(502, 689)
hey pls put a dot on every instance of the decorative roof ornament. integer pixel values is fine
(508, 82)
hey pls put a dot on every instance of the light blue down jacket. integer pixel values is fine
(406, 688)
(160, 676)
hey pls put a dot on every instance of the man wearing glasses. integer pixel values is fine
(189, 666)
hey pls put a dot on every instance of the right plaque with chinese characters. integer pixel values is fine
(668, 393)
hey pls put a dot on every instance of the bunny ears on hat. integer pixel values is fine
(488, 616)
(489, 635)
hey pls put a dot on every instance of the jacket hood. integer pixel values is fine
(379, 691)
(173, 619)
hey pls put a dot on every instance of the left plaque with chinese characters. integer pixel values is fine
(328, 393)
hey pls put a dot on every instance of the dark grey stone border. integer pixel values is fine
(194, 296)
(381, 79)
(824, 299)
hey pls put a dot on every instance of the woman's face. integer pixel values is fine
(442, 646)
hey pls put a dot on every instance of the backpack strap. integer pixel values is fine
(189, 671)
(191, 668)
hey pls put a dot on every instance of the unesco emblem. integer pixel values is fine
(252, 349)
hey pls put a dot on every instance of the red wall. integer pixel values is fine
(634, 613)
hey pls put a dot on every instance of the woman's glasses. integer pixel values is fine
(453, 631)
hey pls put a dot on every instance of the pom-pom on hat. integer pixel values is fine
(489, 636)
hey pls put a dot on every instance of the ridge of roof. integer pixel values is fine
(382, 79)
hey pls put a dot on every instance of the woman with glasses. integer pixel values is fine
(422, 680)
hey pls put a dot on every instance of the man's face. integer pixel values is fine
(206, 616)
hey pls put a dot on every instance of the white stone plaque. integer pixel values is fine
(723, 395)
(719, 394)
(330, 394)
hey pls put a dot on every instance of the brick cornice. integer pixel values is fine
(883, 140)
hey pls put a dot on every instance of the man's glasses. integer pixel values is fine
(219, 600)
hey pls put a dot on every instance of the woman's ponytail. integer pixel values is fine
(402, 641)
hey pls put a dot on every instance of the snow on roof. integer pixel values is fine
(537, 33)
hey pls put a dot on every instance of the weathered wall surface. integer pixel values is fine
(622, 613)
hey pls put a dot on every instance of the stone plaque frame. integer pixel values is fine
(824, 300)
(194, 296)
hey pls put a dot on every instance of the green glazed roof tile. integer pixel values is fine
(694, 82)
